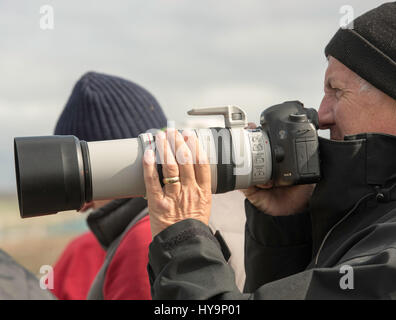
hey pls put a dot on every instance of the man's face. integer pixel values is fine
(350, 108)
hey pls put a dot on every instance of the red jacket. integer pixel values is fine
(77, 267)
(126, 275)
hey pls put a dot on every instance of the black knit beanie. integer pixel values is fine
(104, 107)
(369, 49)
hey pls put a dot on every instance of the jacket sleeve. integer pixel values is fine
(275, 247)
(185, 262)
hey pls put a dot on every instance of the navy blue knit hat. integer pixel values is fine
(104, 107)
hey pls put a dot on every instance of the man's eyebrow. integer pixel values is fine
(332, 82)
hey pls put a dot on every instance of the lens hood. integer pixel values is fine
(49, 174)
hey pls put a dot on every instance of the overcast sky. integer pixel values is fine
(252, 53)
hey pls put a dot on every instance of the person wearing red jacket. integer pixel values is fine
(98, 263)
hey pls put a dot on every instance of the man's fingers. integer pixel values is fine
(183, 158)
(151, 180)
(258, 188)
(201, 163)
(170, 168)
(166, 157)
(268, 185)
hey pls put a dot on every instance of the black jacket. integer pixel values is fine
(343, 247)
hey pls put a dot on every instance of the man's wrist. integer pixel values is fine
(157, 225)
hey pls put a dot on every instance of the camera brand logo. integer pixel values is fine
(47, 280)
(47, 17)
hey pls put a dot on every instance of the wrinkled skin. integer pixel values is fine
(349, 108)
(189, 198)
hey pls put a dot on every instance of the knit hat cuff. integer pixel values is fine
(362, 57)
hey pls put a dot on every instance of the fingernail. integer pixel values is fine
(149, 156)
(160, 135)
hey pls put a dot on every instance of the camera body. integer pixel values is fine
(58, 173)
(292, 130)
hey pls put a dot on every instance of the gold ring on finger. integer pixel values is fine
(170, 180)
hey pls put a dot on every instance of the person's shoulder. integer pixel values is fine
(5, 256)
(378, 237)
(85, 241)
(388, 217)
(16, 282)
(138, 235)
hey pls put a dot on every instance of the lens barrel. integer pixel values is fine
(51, 175)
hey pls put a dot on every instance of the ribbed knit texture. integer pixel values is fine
(104, 107)
(369, 49)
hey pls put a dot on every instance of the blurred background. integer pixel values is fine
(251, 53)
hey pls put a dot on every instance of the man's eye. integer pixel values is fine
(329, 87)
(334, 90)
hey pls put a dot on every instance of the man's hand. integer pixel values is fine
(279, 201)
(191, 196)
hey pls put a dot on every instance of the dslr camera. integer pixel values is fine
(59, 173)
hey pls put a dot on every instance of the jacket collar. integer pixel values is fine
(110, 221)
(359, 165)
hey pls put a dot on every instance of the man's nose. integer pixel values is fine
(325, 113)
